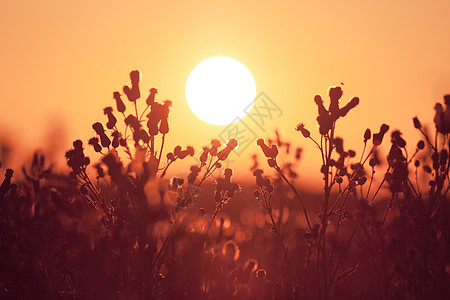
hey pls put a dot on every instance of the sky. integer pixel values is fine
(62, 60)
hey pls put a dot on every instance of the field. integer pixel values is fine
(116, 227)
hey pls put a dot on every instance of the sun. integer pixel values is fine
(220, 90)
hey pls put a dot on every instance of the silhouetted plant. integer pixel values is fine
(119, 229)
(134, 200)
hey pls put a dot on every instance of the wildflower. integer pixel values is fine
(133, 93)
(76, 159)
(259, 179)
(378, 137)
(325, 124)
(318, 100)
(271, 162)
(119, 103)
(190, 150)
(327, 118)
(417, 123)
(94, 142)
(397, 161)
(215, 145)
(223, 154)
(141, 135)
(116, 139)
(362, 180)
(170, 156)
(154, 117)
(204, 155)
(151, 97)
(335, 94)
(225, 189)
(138, 132)
(98, 127)
(78, 145)
(397, 138)
(164, 126)
(111, 119)
(301, 127)
(420, 145)
(367, 135)
(350, 105)
(195, 170)
(123, 142)
(184, 153)
(271, 152)
(133, 122)
(135, 76)
(127, 91)
(177, 150)
(439, 119)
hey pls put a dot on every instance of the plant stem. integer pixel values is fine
(277, 168)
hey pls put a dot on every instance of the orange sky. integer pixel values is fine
(61, 61)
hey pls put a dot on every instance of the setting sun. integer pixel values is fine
(219, 90)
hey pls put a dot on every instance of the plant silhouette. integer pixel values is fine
(119, 228)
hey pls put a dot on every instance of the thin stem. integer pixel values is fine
(277, 168)
(283, 247)
(161, 149)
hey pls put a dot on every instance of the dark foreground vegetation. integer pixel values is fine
(118, 228)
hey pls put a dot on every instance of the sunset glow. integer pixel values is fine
(226, 150)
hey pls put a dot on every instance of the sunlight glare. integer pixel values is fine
(220, 90)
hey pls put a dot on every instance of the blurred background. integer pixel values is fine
(61, 62)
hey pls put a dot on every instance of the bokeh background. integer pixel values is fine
(60, 62)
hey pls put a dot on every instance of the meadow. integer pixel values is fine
(117, 227)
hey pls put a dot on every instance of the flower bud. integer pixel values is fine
(420, 145)
(301, 127)
(367, 135)
(119, 103)
(362, 180)
(272, 163)
(417, 123)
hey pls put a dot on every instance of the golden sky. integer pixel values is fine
(62, 60)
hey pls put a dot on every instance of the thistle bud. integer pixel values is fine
(301, 127)
(367, 135)
(119, 103)
(272, 163)
(417, 123)
(420, 145)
